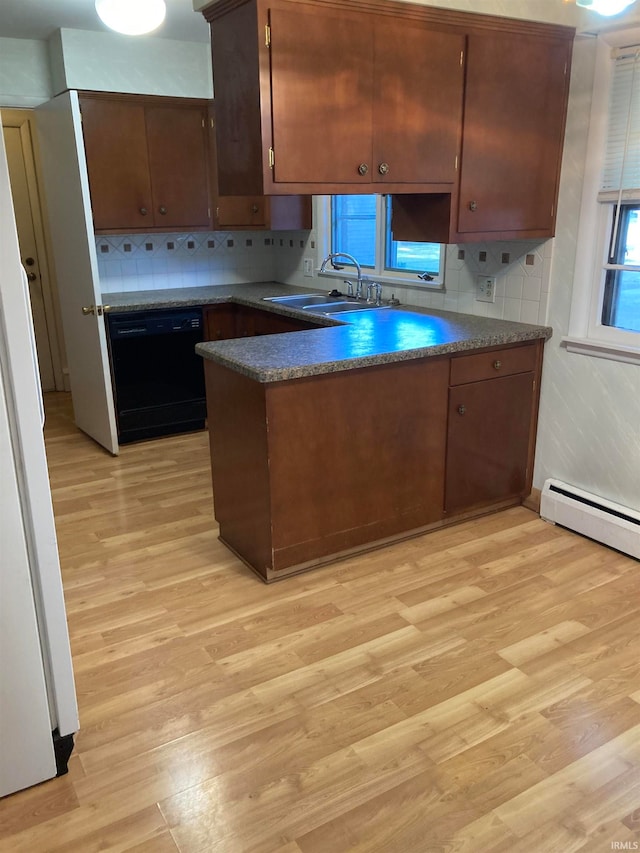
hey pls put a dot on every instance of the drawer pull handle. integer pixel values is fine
(462, 409)
(254, 208)
(497, 364)
(143, 211)
(383, 168)
(163, 210)
(363, 169)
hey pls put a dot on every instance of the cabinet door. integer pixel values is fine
(321, 94)
(488, 441)
(514, 116)
(241, 212)
(417, 103)
(177, 143)
(117, 164)
(220, 322)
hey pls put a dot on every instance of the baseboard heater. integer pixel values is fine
(605, 521)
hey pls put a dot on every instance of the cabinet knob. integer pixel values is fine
(29, 262)
(462, 409)
(163, 210)
(31, 276)
(363, 169)
(383, 168)
(144, 211)
(254, 208)
(473, 206)
(497, 364)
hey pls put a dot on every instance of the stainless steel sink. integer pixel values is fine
(340, 307)
(300, 300)
(321, 303)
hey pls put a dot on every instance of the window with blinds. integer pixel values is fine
(621, 173)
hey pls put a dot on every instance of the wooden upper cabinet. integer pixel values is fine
(417, 103)
(147, 162)
(238, 212)
(317, 98)
(516, 91)
(515, 105)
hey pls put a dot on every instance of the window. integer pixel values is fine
(621, 297)
(605, 310)
(361, 226)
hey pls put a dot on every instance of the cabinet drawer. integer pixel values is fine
(488, 365)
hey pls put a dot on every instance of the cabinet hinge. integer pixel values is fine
(267, 35)
(272, 158)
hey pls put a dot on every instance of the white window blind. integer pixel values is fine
(621, 173)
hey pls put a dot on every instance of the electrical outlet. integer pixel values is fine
(308, 267)
(486, 288)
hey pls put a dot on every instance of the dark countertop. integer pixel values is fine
(367, 338)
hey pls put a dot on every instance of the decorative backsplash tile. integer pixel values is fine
(134, 262)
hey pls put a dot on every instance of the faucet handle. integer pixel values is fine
(349, 287)
(378, 288)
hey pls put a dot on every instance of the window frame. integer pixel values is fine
(587, 335)
(379, 273)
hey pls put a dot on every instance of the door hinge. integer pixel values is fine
(267, 35)
(272, 158)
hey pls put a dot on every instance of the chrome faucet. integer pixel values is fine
(335, 266)
(373, 285)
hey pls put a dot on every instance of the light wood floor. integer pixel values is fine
(476, 689)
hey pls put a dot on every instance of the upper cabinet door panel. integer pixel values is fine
(117, 164)
(419, 80)
(513, 132)
(177, 145)
(321, 94)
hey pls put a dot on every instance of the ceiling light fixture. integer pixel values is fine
(605, 7)
(131, 17)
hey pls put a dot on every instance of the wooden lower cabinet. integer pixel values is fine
(229, 320)
(309, 469)
(493, 405)
(306, 469)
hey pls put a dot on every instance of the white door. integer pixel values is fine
(27, 756)
(66, 190)
(13, 140)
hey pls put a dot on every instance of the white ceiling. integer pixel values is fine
(37, 19)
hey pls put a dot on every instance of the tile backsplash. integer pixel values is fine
(161, 261)
(134, 262)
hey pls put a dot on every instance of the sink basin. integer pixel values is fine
(340, 307)
(300, 300)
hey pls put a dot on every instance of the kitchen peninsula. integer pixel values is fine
(363, 430)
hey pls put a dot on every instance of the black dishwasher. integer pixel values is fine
(158, 379)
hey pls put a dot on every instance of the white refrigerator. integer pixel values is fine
(38, 709)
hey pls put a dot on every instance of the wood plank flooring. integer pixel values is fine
(473, 690)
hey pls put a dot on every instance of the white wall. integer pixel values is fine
(25, 80)
(589, 428)
(109, 62)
